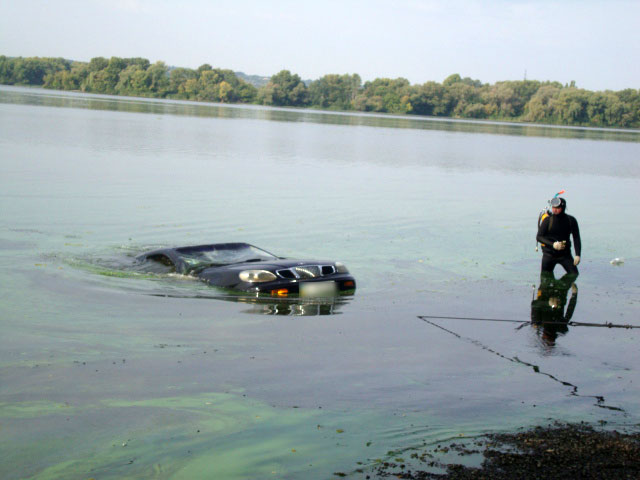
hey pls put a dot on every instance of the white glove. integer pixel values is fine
(576, 260)
(558, 246)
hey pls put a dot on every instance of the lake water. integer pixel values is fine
(108, 373)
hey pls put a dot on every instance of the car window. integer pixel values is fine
(196, 258)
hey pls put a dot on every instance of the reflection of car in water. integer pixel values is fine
(243, 267)
(548, 313)
(291, 306)
(267, 305)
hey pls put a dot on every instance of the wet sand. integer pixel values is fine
(558, 451)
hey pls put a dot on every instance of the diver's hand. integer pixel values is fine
(576, 260)
(574, 289)
(558, 245)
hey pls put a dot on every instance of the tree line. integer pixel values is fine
(456, 97)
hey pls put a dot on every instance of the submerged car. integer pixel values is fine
(247, 268)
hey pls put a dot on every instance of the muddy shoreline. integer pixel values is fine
(557, 451)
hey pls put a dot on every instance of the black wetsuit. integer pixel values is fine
(558, 228)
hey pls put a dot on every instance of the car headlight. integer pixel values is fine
(341, 268)
(257, 276)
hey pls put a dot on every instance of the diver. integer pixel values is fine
(554, 234)
(548, 313)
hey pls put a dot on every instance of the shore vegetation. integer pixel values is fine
(532, 101)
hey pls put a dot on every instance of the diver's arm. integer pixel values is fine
(542, 231)
(575, 232)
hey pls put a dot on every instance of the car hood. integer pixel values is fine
(270, 265)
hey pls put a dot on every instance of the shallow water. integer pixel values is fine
(108, 372)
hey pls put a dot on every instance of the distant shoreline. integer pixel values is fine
(319, 111)
(457, 98)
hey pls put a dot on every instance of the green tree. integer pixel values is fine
(451, 79)
(335, 91)
(225, 92)
(133, 80)
(548, 102)
(501, 101)
(6, 70)
(630, 100)
(61, 80)
(459, 96)
(32, 71)
(428, 99)
(212, 85)
(385, 95)
(475, 110)
(541, 107)
(209, 85)
(245, 92)
(104, 75)
(178, 77)
(571, 106)
(142, 63)
(98, 63)
(284, 89)
(158, 79)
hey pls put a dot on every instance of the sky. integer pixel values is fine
(595, 43)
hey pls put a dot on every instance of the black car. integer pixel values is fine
(243, 267)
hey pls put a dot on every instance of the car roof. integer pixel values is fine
(212, 246)
(174, 254)
(196, 248)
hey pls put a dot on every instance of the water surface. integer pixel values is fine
(110, 373)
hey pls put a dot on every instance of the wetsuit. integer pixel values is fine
(558, 228)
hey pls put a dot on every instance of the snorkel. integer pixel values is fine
(558, 203)
(547, 209)
(559, 193)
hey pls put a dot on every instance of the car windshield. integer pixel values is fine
(197, 258)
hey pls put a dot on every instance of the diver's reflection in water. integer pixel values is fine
(550, 313)
(293, 306)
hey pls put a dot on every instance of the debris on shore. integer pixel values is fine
(559, 451)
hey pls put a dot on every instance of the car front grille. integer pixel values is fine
(304, 272)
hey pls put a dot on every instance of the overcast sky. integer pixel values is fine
(594, 42)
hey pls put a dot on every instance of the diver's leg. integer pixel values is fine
(548, 263)
(567, 264)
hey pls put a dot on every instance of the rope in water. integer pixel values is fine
(509, 320)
